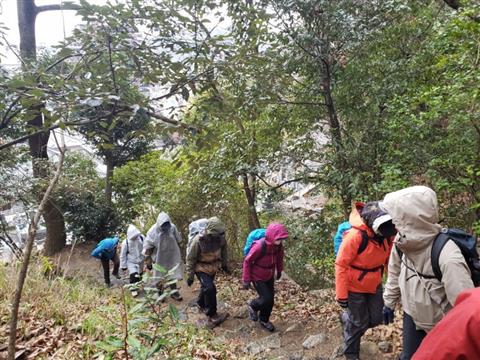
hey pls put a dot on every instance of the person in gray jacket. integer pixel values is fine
(131, 257)
(162, 246)
(425, 300)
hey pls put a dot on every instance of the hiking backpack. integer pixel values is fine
(467, 244)
(337, 239)
(255, 235)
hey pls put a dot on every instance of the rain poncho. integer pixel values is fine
(131, 256)
(164, 247)
(195, 228)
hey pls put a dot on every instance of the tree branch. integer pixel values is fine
(56, 7)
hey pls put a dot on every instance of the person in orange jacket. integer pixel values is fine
(359, 267)
(457, 335)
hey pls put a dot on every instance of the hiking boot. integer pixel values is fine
(351, 357)
(176, 296)
(252, 314)
(267, 325)
(215, 320)
(117, 275)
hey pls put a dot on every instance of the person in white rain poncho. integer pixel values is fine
(131, 257)
(162, 246)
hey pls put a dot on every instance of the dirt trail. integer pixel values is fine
(297, 316)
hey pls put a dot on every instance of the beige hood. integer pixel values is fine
(414, 212)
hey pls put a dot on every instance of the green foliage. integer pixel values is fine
(309, 257)
(80, 195)
(148, 329)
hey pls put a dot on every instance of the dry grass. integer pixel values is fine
(57, 315)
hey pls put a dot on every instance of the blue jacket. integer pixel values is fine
(106, 248)
(337, 239)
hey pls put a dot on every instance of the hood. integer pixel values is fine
(274, 232)
(132, 232)
(196, 226)
(414, 212)
(214, 226)
(374, 216)
(162, 219)
(355, 219)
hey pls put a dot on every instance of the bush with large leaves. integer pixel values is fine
(81, 197)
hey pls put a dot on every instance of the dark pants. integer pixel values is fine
(364, 312)
(135, 277)
(106, 267)
(161, 288)
(264, 303)
(207, 299)
(412, 338)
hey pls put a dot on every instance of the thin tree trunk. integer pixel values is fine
(253, 221)
(108, 182)
(26, 259)
(336, 136)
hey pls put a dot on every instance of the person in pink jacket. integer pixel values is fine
(265, 256)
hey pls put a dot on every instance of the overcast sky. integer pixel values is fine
(49, 25)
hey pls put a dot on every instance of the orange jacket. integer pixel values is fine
(350, 274)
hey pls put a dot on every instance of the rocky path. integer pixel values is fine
(307, 325)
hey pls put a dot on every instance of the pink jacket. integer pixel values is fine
(262, 268)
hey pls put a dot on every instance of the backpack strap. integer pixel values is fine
(264, 247)
(364, 243)
(365, 239)
(437, 247)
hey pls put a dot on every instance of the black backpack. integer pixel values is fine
(467, 244)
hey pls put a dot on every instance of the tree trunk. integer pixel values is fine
(108, 182)
(56, 237)
(253, 222)
(336, 136)
(54, 222)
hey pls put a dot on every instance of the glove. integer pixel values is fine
(246, 285)
(388, 315)
(279, 275)
(226, 270)
(190, 281)
(343, 303)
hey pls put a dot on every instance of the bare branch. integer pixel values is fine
(56, 7)
(26, 259)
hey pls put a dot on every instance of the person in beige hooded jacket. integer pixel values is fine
(425, 299)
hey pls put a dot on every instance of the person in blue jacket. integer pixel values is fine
(106, 251)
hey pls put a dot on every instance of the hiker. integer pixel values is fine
(264, 257)
(106, 251)
(456, 336)
(425, 299)
(131, 258)
(206, 255)
(359, 267)
(163, 244)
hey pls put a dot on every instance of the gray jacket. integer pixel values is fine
(414, 212)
